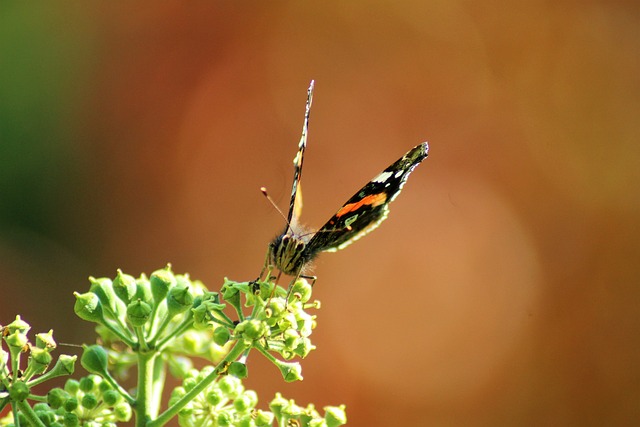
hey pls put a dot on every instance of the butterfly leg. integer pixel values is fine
(265, 274)
(267, 267)
(312, 279)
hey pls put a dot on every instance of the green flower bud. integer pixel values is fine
(124, 286)
(161, 281)
(238, 370)
(104, 387)
(179, 300)
(183, 280)
(89, 401)
(288, 320)
(45, 414)
(123, 412)
(263, 289)
(277, 405)
(16, 341)
(41, 407)
(231, 386)
(214, 396)
(310, 414)
(230, 293)
(88, 307)
(263, 418)
(72, 386)
(111, 397)
(292, 410)
(251, 329)
(302, 290)
(143, 290)
(277, 308)
(71, 420)
(19, 391)
(57, 397)
(291, 338)
(306, 323)
(244, 420)
(94, 359)
(246, 402)
(200, 317)
(139, 313)
(224, 418)
(304, 347)
(103, 288)
(221, 335)
(335, 415)
(241, 404)
(290, 371)
(71, 404)
(64, 366)
(39, 360)
(18, 325)
(45, 340)
(90, 383)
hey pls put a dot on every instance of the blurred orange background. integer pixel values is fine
(504, 287)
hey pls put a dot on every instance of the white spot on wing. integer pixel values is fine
(296, 159)
(382, 177)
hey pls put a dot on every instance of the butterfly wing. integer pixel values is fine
(368, 207)
(295, 204)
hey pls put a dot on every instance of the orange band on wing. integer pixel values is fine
(371, 200)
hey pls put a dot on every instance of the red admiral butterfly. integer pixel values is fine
(291, 251)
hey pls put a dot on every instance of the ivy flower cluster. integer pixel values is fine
(227, 403)
(18, 381)
(159, 324)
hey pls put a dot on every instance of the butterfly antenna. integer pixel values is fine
(273, 203)
(66, 344)
(335, 230)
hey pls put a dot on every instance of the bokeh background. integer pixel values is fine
(503, 290)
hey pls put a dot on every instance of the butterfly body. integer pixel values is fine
(293, 250)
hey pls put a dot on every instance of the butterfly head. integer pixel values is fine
(287, 252)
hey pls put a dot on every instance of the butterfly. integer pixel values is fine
(292, 251)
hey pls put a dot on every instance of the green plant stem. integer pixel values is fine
(158, 332)
(108, 378)
(28, 412)
(186, 324)
(46, 377)
(159, 378)
(152, 321)
(141, 338)
(125, 339)
(223, 319)
(144, 401)
(172, 411)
